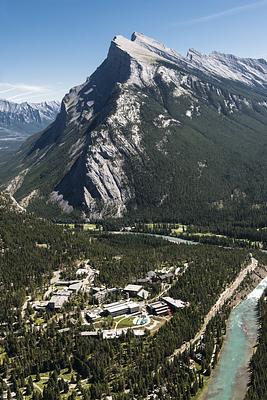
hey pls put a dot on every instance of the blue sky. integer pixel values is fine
(48, 46)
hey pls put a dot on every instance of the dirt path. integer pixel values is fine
(119, 321)
(165, 290)
(225, 295)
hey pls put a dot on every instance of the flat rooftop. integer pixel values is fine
(122, 306)
(173, 302)
(133, 288)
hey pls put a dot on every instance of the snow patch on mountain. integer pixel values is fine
(28, 112)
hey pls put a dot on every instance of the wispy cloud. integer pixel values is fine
(21, 92)
(223, 13)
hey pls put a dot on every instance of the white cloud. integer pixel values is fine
(20, 92)
(224, 13)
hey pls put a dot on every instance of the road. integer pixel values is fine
(171, 239)
(225, 295)
(54, 279)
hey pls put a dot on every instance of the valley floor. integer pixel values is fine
(113, 315)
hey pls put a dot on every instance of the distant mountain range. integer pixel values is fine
(152, 135)
(19, 120)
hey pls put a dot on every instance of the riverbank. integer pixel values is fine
(223, 300)
(250, 332)
(248, 278)
(249, 284)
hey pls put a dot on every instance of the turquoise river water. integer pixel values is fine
(230, 378)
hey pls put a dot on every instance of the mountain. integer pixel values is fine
(19, 120)
(152, 134)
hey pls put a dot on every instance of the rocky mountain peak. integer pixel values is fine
(155, 46)
(134, 49)
(193, 54)
(146, 112)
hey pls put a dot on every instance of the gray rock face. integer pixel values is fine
(27, 117)
(20, 120)
(142, 108)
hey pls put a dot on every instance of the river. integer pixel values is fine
(171, 239)
(230, 378)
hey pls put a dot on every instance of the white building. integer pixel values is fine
(82, 271)
(116, 309)
(132, 290)
(174, 304)
(76, 287)
(143, 294)
(57, 302)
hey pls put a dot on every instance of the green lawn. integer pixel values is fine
(179, 229)
(126, 322)
(39, 321)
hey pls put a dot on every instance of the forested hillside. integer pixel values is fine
(24, 266)
(258, 385)
(53, 361)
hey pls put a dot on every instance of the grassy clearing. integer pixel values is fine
(39, 321)
(90, 227)
(208, 234)
(176, 228)
(69, 226)
(126, 322)
(179, 229)
(85, 227)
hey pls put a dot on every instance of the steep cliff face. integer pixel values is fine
(151, 132)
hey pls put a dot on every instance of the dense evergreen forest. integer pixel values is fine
(23, 265)
(53, 361)
(258, 385)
